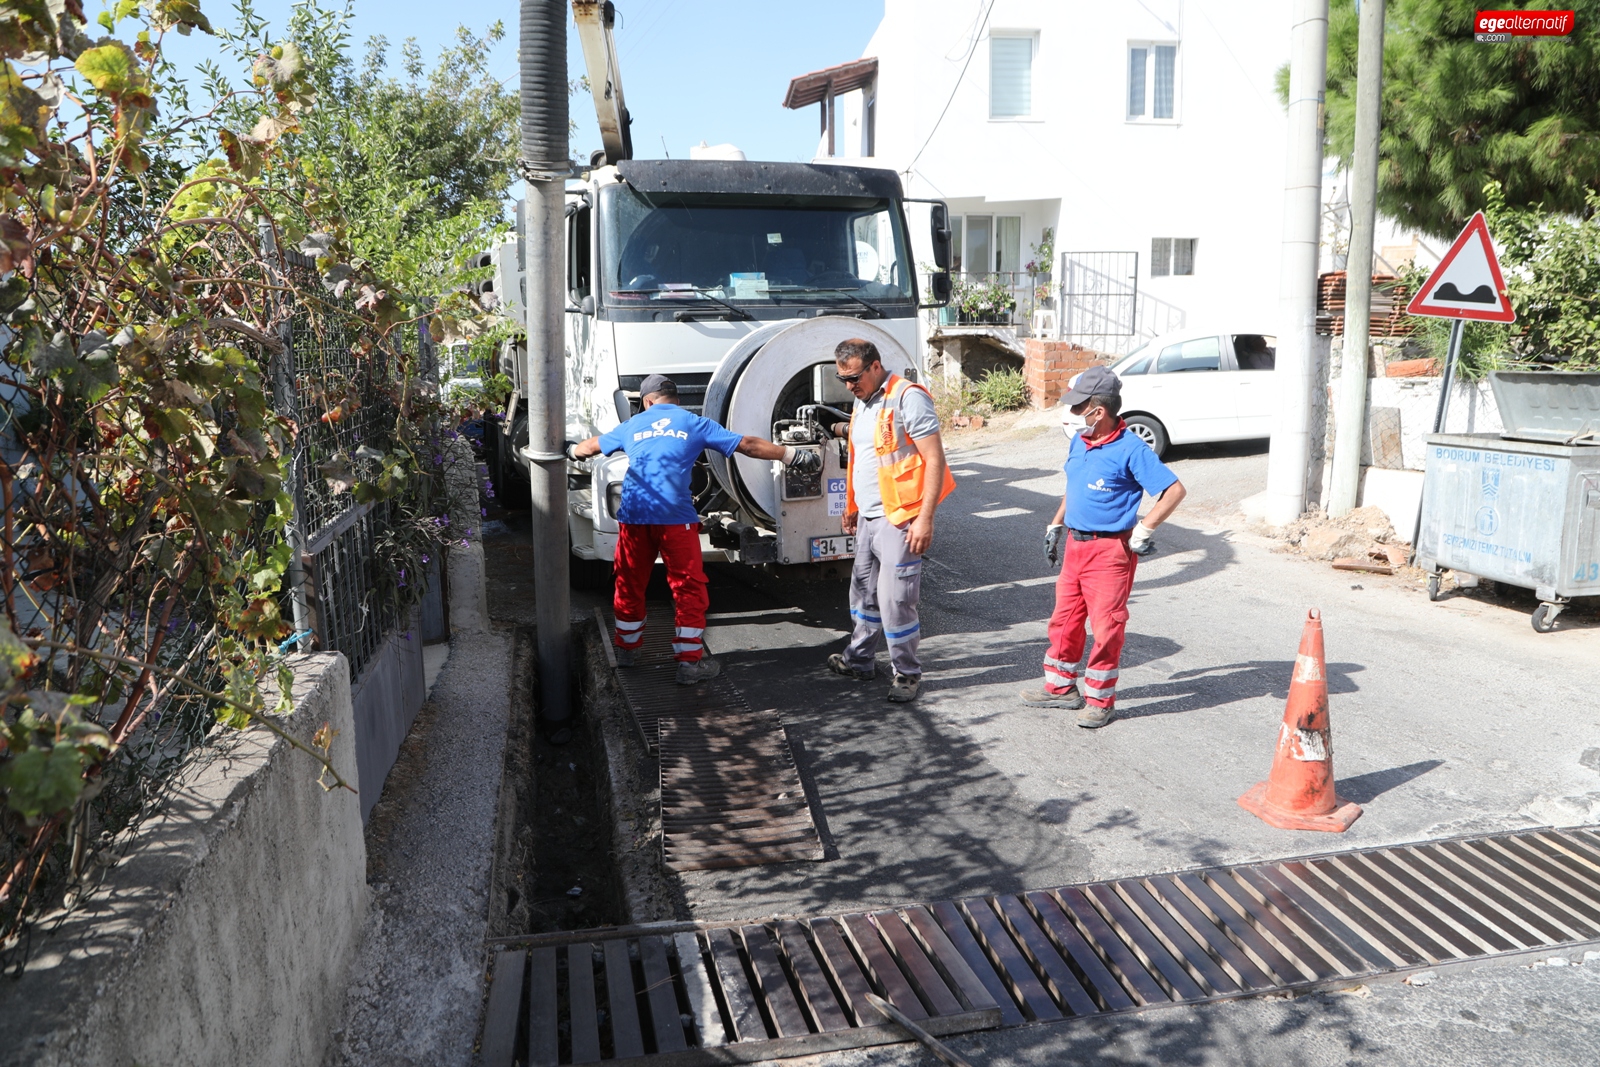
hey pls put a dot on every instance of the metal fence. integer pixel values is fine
(1101, 306)
(1011, 298)
(344, 406)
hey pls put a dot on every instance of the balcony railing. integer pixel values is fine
(996, 298)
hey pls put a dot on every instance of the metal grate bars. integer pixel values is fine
(733, 993)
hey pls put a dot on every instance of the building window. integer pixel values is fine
(1152, 81)
(1011, 77)
(1171, 255)
(985, 244)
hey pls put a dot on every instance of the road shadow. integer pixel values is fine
(1364, 788)
(1228, 683)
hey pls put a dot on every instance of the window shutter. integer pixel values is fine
(1166, 70)
(1136, 64)
(1183, 255)
(1160, 257)
(1010, 77)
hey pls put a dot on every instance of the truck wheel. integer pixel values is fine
(1150, 431)
(1543, 620)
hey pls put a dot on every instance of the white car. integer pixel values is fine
(1192, 386)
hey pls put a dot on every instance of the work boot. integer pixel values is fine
(1093, 717)
(839, 665)
(904, 688)
(624, 655)
(701, 670)
(1071, 700)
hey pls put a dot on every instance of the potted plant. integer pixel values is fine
(984, 301)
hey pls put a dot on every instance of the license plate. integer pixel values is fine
(838, 546)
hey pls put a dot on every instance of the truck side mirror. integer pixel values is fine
(939, 283)
(587, 305)
(939, 222)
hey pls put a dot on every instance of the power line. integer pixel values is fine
(955, 88)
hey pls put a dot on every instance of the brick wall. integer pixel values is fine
(1049, 365)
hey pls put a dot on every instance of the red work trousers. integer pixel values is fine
(1096, 578)
(679, 548)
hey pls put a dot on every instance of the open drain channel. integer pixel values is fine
(703, 993)
(731, 795)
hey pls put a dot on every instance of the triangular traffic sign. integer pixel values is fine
(1467, 283)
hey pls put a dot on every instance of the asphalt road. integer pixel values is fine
(1448, 718)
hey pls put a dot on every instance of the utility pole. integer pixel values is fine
(1289, 461)
(544, 164)
(1358, 272)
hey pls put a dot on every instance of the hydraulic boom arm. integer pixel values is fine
(595, 20)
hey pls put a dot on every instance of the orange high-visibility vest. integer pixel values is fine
(900, 465)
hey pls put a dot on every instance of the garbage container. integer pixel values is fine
(1523, 506)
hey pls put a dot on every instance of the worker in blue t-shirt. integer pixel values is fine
(657, 515)
(1109, 471)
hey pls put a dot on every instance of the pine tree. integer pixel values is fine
(1458, 114)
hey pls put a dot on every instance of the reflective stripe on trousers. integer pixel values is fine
(885, 586)
(1096, 578)
(678, 545)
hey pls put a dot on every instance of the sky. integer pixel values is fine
(692, 70)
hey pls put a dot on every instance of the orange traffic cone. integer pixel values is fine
(1298, 794)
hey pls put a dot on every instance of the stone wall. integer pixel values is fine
(224, 933)
(1048, 367)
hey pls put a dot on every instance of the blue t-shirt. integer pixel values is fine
(663, 441)
(1107, 482)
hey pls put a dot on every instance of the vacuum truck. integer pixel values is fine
(736, 279)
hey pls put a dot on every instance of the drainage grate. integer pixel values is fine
(731, 795)
(649, 688)
(698, 993)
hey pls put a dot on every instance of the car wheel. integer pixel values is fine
(1150, 431)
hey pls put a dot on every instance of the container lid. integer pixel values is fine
(1562, 407)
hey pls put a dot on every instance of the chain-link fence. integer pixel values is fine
(345, 405)
(79, 582)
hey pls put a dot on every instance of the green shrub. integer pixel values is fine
(1002, 390)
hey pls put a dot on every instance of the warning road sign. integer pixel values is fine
(1467, 283)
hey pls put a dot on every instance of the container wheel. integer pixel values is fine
(1544, 620)
(1433, 587)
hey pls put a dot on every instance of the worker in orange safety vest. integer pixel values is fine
(896, 454)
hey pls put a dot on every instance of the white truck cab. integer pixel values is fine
(736, 279)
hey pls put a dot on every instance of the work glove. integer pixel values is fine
(571, 450)
(1142, 541)
(1052, 542)
(802, 460)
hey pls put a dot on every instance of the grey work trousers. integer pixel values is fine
(885, 585)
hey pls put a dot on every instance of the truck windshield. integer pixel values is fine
(760, 252)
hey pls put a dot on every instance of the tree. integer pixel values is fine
(1458, 115)
(420, 164)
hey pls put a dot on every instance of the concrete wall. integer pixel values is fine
(386, 700)
(1391, 477)
(224, 935)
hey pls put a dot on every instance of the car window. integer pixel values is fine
(1203, 353)
(1135, 362)
(1255, 351)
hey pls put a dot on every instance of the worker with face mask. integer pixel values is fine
(1097, 538)
(657, 516)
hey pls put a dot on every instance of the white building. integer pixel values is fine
(1145, 134)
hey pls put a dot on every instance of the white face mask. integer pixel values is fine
(1070, 423)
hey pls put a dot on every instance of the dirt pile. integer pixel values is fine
(1364, 536)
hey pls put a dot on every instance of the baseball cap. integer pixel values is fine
(656, 383)
(1096, 381)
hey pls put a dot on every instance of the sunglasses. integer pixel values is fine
(849, 379)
